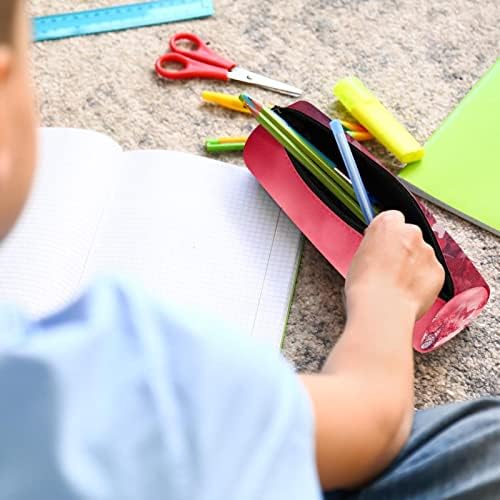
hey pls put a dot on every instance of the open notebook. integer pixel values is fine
(194, 231)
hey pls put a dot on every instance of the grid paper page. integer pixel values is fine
(42, 260)
(279, 283)
(202, 234)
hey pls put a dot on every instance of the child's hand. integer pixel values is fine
(363, 400)
(393, 263)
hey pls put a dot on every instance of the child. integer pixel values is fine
(118, 397)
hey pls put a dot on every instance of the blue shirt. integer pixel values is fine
(120, 397)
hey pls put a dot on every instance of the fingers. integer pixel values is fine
(388, 218)
(437, 269)
(394, 221)
(406, 237)
(394, 256)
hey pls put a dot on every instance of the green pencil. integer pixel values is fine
(293, 143)
(309, 149)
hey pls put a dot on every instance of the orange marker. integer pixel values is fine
(355, 127)
(360, 136)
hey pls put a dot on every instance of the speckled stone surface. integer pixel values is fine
(420, 57)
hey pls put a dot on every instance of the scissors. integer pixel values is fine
(201, 62)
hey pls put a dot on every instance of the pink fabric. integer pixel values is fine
(270, 164)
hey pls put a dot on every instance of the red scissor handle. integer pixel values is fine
(200, 52)
(190, 68)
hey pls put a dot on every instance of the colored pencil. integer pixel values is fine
(308, 156)
(327, 165)
(305, 146)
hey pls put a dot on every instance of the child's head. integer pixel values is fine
(17, 114)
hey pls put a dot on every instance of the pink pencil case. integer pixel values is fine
(337, 234)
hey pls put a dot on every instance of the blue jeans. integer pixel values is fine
(453, 452)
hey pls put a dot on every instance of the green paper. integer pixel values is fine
(461, 167)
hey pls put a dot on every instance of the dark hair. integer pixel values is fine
(7, 19)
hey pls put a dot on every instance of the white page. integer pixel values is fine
(196, 231)
(42, 260)
(203, 234)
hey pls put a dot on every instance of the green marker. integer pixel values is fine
(213, 146)
(225, 144)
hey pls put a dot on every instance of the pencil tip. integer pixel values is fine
(253, 106)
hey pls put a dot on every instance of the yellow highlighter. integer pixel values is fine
(370, 112)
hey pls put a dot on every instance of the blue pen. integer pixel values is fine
(352, 170)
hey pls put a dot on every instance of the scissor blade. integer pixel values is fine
(245, 76)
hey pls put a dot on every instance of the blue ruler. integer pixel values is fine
(120, 17)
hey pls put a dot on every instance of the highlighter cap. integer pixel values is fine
(351, 92)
